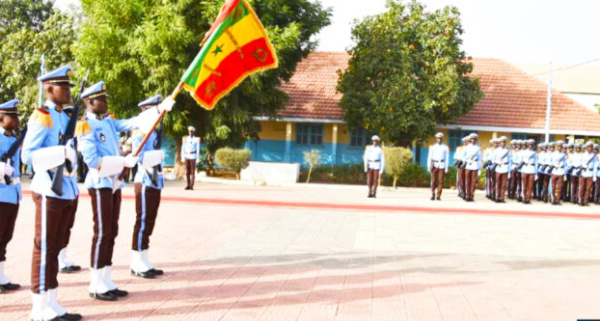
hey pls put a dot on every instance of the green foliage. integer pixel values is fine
(396, 161)
(233, 159)
(450, 177)
(33, 29)
(415, 175)
(407, 73)
(143, 47)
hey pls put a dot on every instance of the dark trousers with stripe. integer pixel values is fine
(437, 181)
(8, 217)
(574, 188)
(106, 207)
(51, 224)
(190, 172)
(147, 201)
(71, 221)
(460, 182)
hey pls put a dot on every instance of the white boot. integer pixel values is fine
(63, 261)
(106, 271)
(40, 310)
(97, 283)
(137, 262)
(53, 303)
(3, 278)
(145, 259)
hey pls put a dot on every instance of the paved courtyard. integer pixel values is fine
(234, 252)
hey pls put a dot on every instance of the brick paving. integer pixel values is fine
(240, 261)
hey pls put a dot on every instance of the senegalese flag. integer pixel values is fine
(235, 47)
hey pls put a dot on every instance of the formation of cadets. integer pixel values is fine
(520, 170)
(49, 145)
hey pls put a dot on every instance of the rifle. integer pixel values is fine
(57, 180)
(12, 151)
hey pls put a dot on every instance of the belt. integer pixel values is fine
(438, 161)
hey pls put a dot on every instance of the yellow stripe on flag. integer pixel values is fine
(244, 31)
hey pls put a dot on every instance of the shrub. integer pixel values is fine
(233, 159)
(397, 159)
(313, 158)
(414, 175)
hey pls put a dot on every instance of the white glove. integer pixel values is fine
(365, 169)
(130, 161)
(8, 170)
(70, 153)
(166, 105)
(592, 179)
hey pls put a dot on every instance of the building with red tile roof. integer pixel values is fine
(514, 105)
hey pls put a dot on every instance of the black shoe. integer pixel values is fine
(119, 293)
(157, 271)
(70, 269)
(432, 198)
(9, 287)
(187, 188)
(69, 317)
(145, 274)
(106, 296)
(439, 198)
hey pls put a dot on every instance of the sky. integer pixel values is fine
(519, 31)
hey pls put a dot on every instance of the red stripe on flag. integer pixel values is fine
(233, 67)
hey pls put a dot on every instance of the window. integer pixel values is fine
(454, 138)
(309, 134)
(520, 136)
(358, 137)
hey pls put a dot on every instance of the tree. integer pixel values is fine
(407, 73)
(143, 47)
(397, 159)
(28, 29)
(313, 159)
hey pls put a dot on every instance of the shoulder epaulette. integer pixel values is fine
(41, 116)
(111, 116)
(198, 139)
(183, 138)
(83, 128)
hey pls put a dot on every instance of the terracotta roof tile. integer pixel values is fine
(512, 98)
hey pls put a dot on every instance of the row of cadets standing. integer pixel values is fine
(10, 184)
(54, 213)
(437, 164)
(99, 143)
(149, 182)
(460, 164)
(374, 163)
(190, 156)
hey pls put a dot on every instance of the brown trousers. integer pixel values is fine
(106, 208)
(70, 223)
(147, 200)
(372, 181)
(190, 172)
(512, 184)
(546, 182)
(51, 224)
(597, 191)
(470, 183)
(8, 217)
(528, 183)
(557, 183)
(500, 187)
(574, 188)
(460, 182)
(585, 187)
(437, 181)
(519, 184)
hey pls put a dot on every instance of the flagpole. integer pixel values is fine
(125, 171)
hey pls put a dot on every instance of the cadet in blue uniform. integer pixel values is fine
(374, 162)
(190, 155)
(10, 184)
(473, 160)
(41, 150)
(99, 144)
(148, 184)
(587, 164)
(437, 164)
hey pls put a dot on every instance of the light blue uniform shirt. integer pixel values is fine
(502, 159)
(529, 159)
(374, 158)
(10, 193)
(144, 176)
(190, 148)
(40, 136)
(438, 157)
(559, 161)
(588, 164)
(101, 141)
(473, 157)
